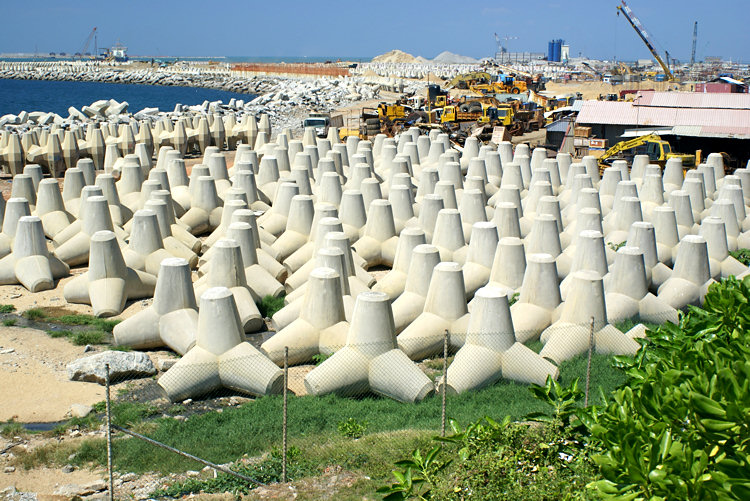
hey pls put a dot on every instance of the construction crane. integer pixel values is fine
(638, 27)
(86, 44)
(695, 42)
(501, 49)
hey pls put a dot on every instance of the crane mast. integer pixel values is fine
(638, 27)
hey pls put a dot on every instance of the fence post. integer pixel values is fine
(108, 409)
(588, 363)
(445, 382)
(284, 422)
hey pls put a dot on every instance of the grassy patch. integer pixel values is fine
(11, 429)
(81, 338)
(7, 308)
(10, 322)
(255, 427)
(269, 305)
(95, 322)
(120, 347)
(35, 314)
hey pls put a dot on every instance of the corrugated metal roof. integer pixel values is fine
(559, 125)
(692, 100)
(715, 122)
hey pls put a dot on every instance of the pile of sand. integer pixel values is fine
(395, 56)
(446, 57)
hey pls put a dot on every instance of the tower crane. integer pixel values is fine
(86, 44)
(638, 27)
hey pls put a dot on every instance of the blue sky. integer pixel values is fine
(367, 28)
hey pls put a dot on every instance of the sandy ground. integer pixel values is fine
(592, 90)
(45, 481)
(35, 383)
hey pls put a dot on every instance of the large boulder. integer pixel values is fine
(122, 365)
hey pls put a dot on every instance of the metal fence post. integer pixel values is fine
(108, 409)
(284, 421)
(588, 364)
(445, 382)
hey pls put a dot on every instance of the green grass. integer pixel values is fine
(7, 308)
(269, 305)
(81, 338)
(255, 427)
(35, 314)
(11, 429)
(98, 323)
(10, 322)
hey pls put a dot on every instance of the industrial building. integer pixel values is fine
(690, 121)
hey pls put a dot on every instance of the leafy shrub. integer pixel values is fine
(269, 305)
(741, 255)
(352, 428)
(495, 460)
(679, 427)
(7, 308)
(319, 358)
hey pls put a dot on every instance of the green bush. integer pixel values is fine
(741, 255)
(351, 428)
(7, 308)
(679, 427)
(269, 305)
(10, 322)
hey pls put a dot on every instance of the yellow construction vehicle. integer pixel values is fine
(658, 151)
(481, 113)
(484, 83)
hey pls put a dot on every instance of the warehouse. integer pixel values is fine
(690, 121)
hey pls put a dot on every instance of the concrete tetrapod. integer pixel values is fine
(321, 326)
(378, 243)
(444, 309)
(259, 280)
(394, 282)
(15, 209)
(227, 270)
(30, 263)
(109, 282)
(491, 351)
(51, 209)
(538, 298)
(691, 274)
(220, 357)
(570, 335)
(145, 250)
(370, 360)
(626, 291)
(95, 217)
(171, 320)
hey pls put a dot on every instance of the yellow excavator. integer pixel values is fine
(657, 149)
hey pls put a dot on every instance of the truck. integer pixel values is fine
(320, 121)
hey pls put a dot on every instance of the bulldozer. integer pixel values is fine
(485, 83)
(657, 149)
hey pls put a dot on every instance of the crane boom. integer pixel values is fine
(638, 27)
(86, 44)
(695, 42)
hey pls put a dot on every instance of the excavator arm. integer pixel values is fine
(638, 27)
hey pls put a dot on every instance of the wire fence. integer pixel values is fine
(412, 382)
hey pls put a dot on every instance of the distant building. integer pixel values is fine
(725, 85)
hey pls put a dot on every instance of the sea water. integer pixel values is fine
(43, 95)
